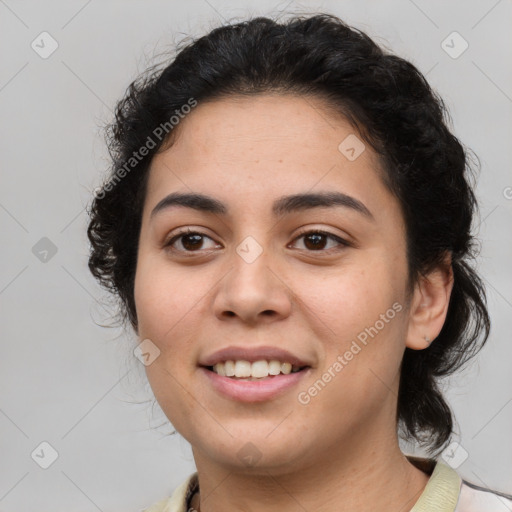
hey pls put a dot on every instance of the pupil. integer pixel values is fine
(194, 245)
(318, 241)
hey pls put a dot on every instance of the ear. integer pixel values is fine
(429, 306)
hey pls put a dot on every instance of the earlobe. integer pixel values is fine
(429, 306)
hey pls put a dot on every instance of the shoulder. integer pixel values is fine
(178, 502)
(446, 490)
(474, 498)
(159, 506)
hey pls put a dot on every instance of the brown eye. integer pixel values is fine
(188, 241)
(317, 241)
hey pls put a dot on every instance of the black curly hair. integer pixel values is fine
(391, 105)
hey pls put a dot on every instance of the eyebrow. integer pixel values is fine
(283, 205)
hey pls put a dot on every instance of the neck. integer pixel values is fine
(374, 477)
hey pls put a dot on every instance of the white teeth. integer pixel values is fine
(274, 367)
(229, 368)
(242, 369)
(286, 368)
(220, 369)
(258, 370)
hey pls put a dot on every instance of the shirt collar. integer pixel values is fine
(443, 487)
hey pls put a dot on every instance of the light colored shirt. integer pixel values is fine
(445, 491)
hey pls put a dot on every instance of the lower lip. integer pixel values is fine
(253, 390)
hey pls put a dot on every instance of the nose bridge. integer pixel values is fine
(251, 290)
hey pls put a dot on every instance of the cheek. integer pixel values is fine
(359, 318)
(165, 303)
(348, 299)
(162, 298)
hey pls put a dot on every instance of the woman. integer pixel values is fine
(287, 226)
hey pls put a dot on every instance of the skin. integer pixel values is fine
(340, 451)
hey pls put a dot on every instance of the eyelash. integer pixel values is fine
(342, 243)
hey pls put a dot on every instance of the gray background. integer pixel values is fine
(66, 380)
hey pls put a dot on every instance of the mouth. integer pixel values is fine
(236, 380)
(253, 374)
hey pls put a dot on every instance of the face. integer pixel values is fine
(253, 276)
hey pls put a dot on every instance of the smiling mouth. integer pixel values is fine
(258, 370)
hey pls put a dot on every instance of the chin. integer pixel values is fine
(255, 453)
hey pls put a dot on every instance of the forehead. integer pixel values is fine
(266, 125)
(260, 147)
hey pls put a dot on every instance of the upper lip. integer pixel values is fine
(252, 354)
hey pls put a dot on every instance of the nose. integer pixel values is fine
(253, 292)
